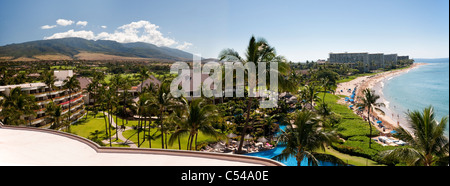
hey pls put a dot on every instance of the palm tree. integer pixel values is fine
(162, 100)
(49, 80)
(141, 107)
(177, 117)
(143, 74)
(72, 84)
(101, 97)
(116, 83)
(125, 86)
(199, 117)
(327, 85)
(310, 94)
(427, 143)
(369, 101)
(259, 51)
(303, 137)
(110, 101)
(54, 111)
(17, 104)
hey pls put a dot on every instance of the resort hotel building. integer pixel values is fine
(370, 61)
(44, 95)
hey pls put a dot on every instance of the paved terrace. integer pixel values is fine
(33, 146)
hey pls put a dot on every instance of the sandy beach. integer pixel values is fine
(376, 82)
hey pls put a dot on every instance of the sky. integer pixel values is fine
(300, 30)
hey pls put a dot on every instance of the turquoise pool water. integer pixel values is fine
(291, 161)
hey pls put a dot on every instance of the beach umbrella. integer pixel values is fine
(352, 96)
(350, 106)
(248, 136)
(262, 139)
(393, 132)
(346, 98)
(231, 135)
(218, 146)
(379, 122)
(351, 100)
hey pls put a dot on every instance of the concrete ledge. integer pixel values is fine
(226, 158)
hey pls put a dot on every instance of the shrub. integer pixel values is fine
(359, 146)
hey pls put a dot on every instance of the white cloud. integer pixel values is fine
(185, 45)
(103, 26)
(48, 26)
(82, 23)
(140, 31)
(71, 33)
(64, 22)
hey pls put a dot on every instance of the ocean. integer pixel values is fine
(420, 87)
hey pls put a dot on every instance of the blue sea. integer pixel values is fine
(418, 88)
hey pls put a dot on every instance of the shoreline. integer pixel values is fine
(376, 82)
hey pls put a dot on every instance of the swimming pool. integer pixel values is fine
(291, 161)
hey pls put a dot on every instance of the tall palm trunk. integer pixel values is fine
(241, 144)
(179, 143)
(117, 126)
(138, 129)
(162, 126)
(70, 99)
(192, 139)
(196, 134)
(106, 124)
(188, 142)
(370, 126)
(299, 157)
(109, 126)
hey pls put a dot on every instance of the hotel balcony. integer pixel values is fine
(72, 108)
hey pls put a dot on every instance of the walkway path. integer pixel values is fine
(119, 134)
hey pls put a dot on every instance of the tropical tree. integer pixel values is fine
(55, 112)
(125, 86)
(72, 84)
(199, 117)
(327, 85)
(427, 144)
(258, 50)
(49, 79)
(141, 108)
(116, 83)
(16, 105)
(310, 94)
(143, 74)
(304, 137)
(110, 102)
(369, 102)
(162, 101)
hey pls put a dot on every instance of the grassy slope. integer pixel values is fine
(355, 131)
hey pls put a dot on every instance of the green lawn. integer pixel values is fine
(86, 128)
(132, 135)
(349, 78)
(132, 76)
(351, 124)
(62, 67)
(352, 160)
(356, 133)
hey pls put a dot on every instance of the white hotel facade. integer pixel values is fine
(44, 95)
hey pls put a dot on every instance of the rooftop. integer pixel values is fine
(32, 146)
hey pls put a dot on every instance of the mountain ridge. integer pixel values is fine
(73, 46)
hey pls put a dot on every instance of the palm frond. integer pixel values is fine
(230, 55)
(328, 158)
